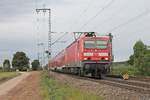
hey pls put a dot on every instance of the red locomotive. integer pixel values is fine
(87, 55)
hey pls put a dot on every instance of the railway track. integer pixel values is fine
(134, 85)
(131, 84)
(138, 86)
(140, 78)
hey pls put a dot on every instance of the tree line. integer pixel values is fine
(140, 59)
(20, 62)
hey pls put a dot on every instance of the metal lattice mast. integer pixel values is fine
(49, 51)
(49, 37)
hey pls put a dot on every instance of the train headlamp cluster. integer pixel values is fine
(103, 54)
(85, 58)
(91, 54)
(106, 58)
(88, 54)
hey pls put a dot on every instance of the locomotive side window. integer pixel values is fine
(101, 44)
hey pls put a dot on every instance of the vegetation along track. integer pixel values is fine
(134, 85)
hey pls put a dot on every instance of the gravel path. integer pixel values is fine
(106, 91)
(24, 87)
(7, 86)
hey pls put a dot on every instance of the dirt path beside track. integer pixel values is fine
(24, 87)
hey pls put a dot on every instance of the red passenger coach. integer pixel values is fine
(58, 61)
(88, 55)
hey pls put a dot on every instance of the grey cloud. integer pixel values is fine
(14, 8)
(69, 13)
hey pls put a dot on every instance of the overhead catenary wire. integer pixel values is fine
(88, 6)
(130, 20)
(82, 13)
(100, 11)
(65, 33)
(108, 19)
(97, 14)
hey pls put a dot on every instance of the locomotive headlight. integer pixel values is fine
(85, 58)
(106, 58)
(88, 54)
(103, 54)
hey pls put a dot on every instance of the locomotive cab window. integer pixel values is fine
(101, 44)
(89, 44)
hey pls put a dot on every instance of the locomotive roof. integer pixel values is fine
(100, 37)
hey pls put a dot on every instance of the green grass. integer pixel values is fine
(7, 75)
(55, 90)
(124, 68)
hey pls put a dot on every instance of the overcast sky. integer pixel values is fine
(127, 20)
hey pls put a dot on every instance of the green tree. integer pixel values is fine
(139, 51)
(145, 67)
(141, 58)
(20, 61)
(6, 65)
(35, 64)
(131, 60)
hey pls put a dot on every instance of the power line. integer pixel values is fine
(111, 16)
(108, 19)
(130, 20)
(65, 33)
(89, 4)
(99, 12)
(81, 14)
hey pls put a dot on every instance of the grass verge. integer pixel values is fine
(55, 90)
(124, 68)
(7, 75)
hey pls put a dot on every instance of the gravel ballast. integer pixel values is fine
(106, 91)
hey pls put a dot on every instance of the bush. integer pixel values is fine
(124, 68)
(145, 67)
(6, 65)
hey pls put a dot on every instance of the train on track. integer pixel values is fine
(87, 55)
